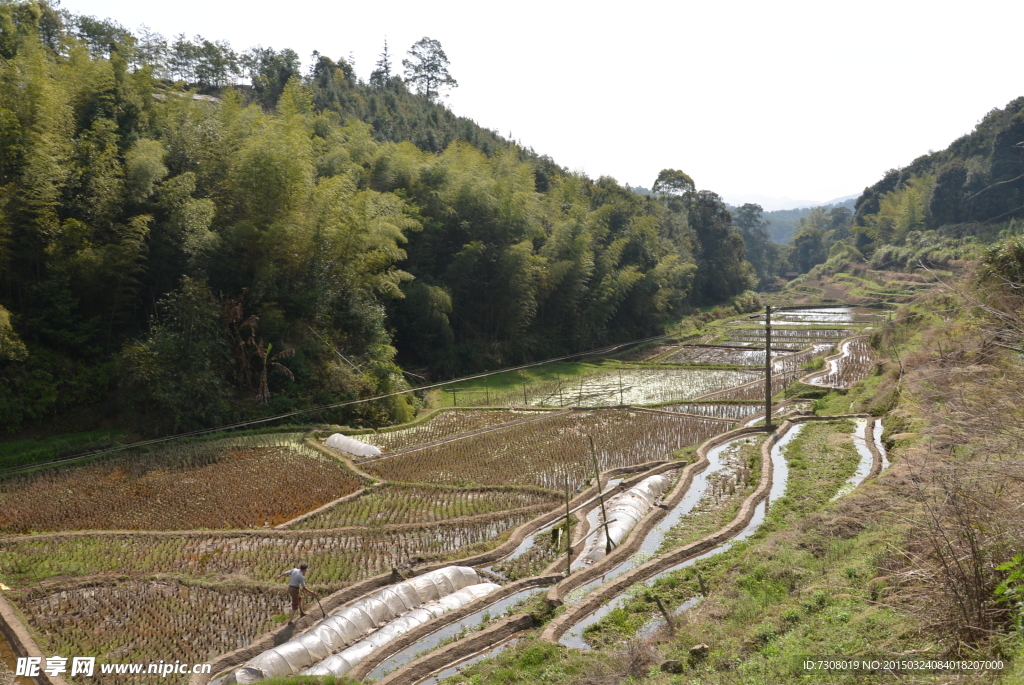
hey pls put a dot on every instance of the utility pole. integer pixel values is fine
(768, 367)
(568, 540)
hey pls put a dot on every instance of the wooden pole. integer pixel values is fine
(600, 497)
(487, 390)
(768, 367)
(568, 539)
(665, 612)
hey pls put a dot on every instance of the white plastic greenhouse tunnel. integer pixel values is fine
(342, 663)
(351, 446)
(624, 512)
(412, 602)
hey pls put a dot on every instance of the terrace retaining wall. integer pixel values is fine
(367, 665)
(21, 642)
(459, 651)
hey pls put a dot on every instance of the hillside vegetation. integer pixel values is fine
(171, 260)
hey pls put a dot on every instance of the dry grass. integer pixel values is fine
(956, 427)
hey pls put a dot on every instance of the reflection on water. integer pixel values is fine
(452, 670)
(865, 463)
(434, 640)
(780, 476)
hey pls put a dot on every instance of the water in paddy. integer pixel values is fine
(880, 445)
(642, 386)
(434, 640)
(866, 459)
(825, 315)
(780, 475)
(10, 660)
(455, 668)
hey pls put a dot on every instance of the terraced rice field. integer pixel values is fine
(856, 361)
(789, 336)
(402, 504)
(735, 412)
(445, 424)
(752, 392)
(234, 483)
(550, 452)
(824, 316)
(196, 576)
(134, 620)
(716, 355)
(335, 557)
(635, 385)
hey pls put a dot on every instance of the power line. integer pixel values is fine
(300, 412)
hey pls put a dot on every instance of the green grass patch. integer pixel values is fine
(499, 386)
(31, 451)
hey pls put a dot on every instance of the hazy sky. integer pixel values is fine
(804, 100)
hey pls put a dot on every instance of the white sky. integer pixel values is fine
(802, 100)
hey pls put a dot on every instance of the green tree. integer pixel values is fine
(673, 182)
(11, 346)
(270, 71)
(381, 74)
(175, 376)
(722, 271)
(427, 68)
(759, 250)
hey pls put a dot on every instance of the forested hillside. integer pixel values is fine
(978, 180)
(943, 208)
(299, 240)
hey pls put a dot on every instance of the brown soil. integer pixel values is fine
(243, 488)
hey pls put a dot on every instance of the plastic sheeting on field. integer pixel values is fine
(351, 446)
(350, 624)
(342, 663)
(624, 512)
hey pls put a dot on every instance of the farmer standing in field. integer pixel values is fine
(296, 581)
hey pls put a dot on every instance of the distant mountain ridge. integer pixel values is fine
(782, 223)
(771, 203)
